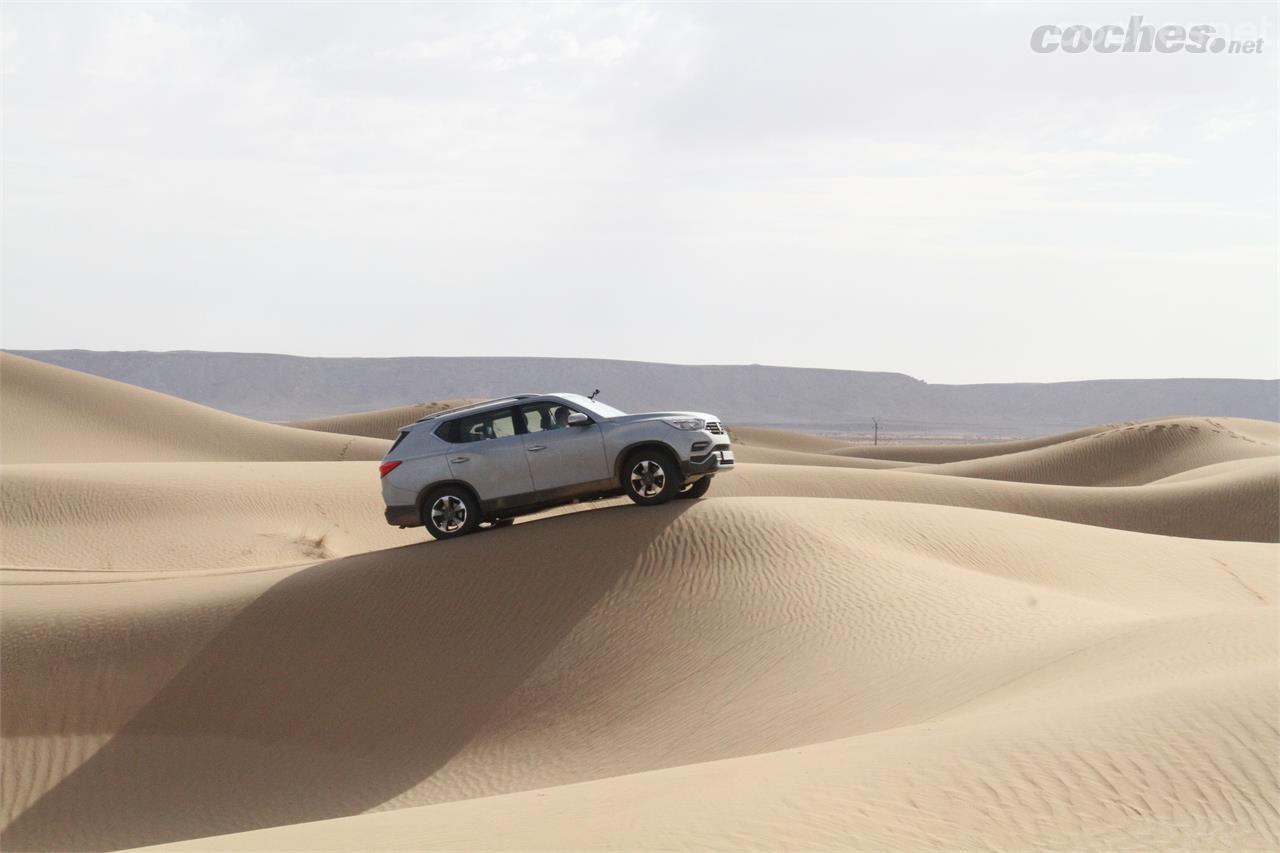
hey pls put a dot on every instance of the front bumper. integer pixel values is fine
(718, 458)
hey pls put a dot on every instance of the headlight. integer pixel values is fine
(686, 423)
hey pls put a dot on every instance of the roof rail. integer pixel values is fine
(474, 406)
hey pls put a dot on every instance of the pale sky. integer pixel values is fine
(907, 188)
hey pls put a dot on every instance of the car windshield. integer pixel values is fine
(595, 407)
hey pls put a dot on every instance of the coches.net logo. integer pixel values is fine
(1143, 38)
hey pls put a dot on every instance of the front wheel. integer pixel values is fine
(696, 489)
(650, 477)
(450, 512)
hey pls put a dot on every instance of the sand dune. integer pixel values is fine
(1237, 500)
(208, 630)
(1131, 454)
(51, 414)
(382, 423)
(720, 629)
(1128, 455)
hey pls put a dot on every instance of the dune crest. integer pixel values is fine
(51, 414)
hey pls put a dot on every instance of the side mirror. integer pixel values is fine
(578, 419)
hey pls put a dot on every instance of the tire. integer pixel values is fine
(651, 477)
(693, 491)
(450, 512)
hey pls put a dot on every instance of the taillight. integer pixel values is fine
(386, 468)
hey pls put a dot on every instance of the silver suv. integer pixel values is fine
(485, 464)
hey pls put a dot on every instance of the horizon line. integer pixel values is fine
(20, 351)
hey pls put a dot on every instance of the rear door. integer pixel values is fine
(487, 453)
(561, 457)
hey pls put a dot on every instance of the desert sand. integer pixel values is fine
(211, 640)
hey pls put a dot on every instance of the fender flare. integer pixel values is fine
(642, 445)
(438, 484)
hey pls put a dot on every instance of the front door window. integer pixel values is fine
(546, 416)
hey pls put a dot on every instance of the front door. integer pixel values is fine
(489, 455)
(562, 457)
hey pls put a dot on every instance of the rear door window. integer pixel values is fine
(482, 427)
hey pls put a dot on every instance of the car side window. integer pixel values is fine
(484, 426)
(544, 416)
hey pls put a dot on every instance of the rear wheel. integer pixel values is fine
(450, 512)
(650, 477)
(696, 489)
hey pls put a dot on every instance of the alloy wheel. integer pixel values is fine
(648, 479)
(449, 514)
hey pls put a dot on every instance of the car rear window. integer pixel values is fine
(399, 438)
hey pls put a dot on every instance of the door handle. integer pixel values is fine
(534, 448)
(458, 460)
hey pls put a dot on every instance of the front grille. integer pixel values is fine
(714, 428)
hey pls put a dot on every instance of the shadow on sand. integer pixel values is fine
(342, 685)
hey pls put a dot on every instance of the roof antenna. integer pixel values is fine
(593, 394)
